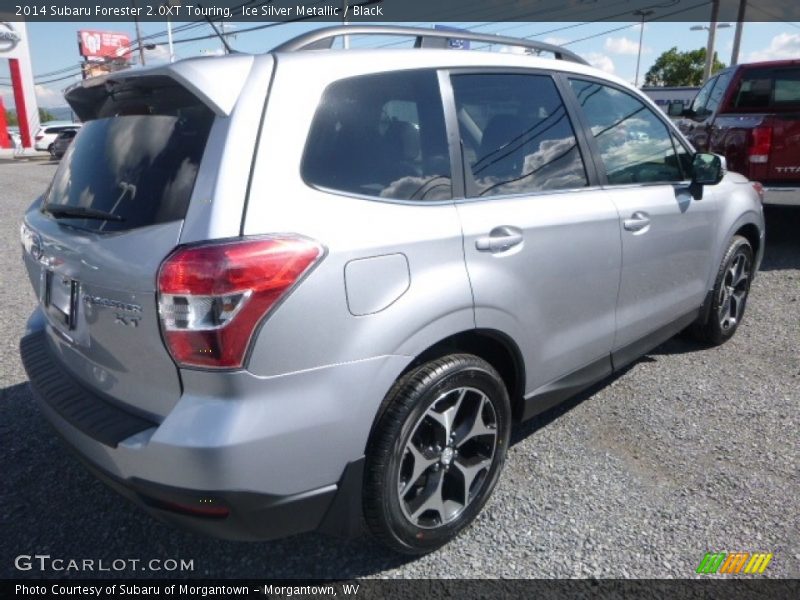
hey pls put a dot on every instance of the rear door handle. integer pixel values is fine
(638, 221)
(500, 239)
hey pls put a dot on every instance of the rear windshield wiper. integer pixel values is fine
(81, 212)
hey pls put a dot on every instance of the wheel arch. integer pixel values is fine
(494, 346)
(752, 234)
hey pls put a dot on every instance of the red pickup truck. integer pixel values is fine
(750, 114)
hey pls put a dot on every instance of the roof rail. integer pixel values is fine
(323, 38)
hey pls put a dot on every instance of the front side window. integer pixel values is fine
(381, 135)
(698, 106)
(635, 145)
(516, 135)
(715, 97)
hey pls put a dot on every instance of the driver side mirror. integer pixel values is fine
(676, 109)
(707, 169)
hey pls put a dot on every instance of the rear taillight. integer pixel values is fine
(760, 145)
(39, 138)
(212, 297)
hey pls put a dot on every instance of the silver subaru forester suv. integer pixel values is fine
(314, 289)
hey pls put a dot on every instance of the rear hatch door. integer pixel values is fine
(114, 210)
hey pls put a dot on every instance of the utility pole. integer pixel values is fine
(138, 34)
(345, 39)
(644, 14)
(712, 33)
(737, 36)
(170, 45)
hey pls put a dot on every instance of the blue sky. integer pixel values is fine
(54, 45)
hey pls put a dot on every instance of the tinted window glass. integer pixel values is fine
(635, 145)
(699, 102)
(138, 161)
(768, 88)
(715, 97)
(381, 135)
(516, 134)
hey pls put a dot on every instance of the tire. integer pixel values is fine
(729, 296)
(418, 497)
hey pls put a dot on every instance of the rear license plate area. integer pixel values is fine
(61, 299)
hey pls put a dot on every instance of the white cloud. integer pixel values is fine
(623, 45)
(558, 41)
(600, 61)
(783, 45)
(48, 98)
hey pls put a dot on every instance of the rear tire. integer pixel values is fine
(436, 453)
(729, 296)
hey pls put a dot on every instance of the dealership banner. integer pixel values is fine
(403, 10)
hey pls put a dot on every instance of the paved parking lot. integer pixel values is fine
(690, 450)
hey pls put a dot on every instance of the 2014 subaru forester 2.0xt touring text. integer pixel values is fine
(315, 288)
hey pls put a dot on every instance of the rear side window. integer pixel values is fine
(516, 135)
(138, 159)
(768, 88)
(635, 145)
(381, 135)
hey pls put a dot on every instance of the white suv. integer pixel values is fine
(48, 132)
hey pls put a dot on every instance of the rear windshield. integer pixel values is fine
(137, 160)
(774, 88)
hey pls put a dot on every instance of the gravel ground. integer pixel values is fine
(688, 451)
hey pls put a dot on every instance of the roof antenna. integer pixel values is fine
(228, 49)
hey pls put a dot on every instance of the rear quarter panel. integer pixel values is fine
(315, 326)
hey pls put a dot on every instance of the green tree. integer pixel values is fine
(675, 68)
(45, 115)
(11, 118)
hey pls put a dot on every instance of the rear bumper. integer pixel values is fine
(230, 485)
(782, 196)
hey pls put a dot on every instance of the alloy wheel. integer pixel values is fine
(447, 458)
(733, 292)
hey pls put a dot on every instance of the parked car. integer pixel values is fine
(46, 136)
(337, 315)
(62, 142)
(750, 114)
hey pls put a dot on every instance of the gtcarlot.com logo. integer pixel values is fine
(45, 562)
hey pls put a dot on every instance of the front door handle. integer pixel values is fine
(500, 239)
(638, 221)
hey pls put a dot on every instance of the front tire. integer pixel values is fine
(436, 453)
(729, 296)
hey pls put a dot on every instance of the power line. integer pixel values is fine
(773, 15)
